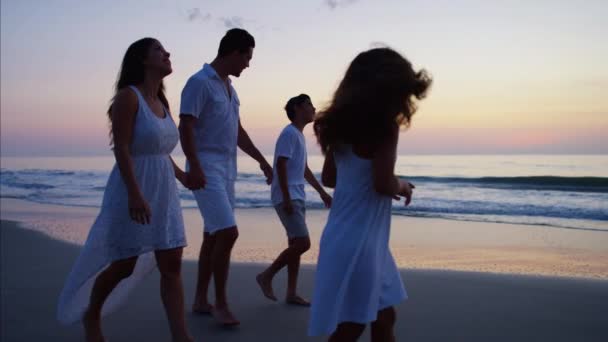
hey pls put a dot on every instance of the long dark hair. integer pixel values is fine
(375, 94)
(132, 72)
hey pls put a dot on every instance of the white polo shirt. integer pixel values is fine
(216, 131)
(292, 145)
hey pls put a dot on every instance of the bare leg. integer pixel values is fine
(172, 293)
(289, 257)
(347, 332)
(383, 327)
(205, 270)
(224, 242)
(105, 282)
(293, 268)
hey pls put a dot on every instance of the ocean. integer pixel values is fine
(565, 191)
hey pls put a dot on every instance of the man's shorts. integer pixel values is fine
(295, 224)
(216, 203)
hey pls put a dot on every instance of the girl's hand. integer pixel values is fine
(139, 210)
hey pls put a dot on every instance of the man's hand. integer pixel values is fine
(195, 178)
(267, 169)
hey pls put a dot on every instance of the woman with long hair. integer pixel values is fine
(357, 281)
(140, 224)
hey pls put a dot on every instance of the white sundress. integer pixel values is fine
(356, 274)
(114, 235)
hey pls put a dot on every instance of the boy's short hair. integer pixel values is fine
(235, 39)
(290, 107)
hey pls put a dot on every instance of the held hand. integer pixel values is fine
(195, 179)
(267, 169)
(406, 190)
(288, 207)
(182, 177)
(139, 210)
(326, 198)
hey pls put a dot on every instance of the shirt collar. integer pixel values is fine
(210, 71)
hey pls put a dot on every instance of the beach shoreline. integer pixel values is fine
(416, 243)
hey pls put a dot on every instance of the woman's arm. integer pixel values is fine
(310, 178)
(124, 110)
(385, 181)
(179, 173)
(328, 174)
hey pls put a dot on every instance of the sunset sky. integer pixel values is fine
(509, 76)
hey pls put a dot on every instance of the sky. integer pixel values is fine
(509, 76)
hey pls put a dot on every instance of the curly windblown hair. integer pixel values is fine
(376, 93)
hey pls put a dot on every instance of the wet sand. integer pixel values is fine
(416, 243)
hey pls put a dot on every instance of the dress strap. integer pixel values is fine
(139, 96)
(143, 104)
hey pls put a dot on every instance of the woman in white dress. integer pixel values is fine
(140, 224)
(357, 281)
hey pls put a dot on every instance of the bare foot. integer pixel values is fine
(92, 328)
(266, 286)
(296, 300)
(225, 317)
(203, 309)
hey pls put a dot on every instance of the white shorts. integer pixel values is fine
(216, 203)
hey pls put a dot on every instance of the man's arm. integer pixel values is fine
(247, 146)
(195, 178)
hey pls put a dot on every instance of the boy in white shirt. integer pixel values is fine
(288, 197)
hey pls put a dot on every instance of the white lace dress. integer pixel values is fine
(114, 236)
(356, 274)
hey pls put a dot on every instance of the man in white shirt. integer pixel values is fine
(211, 130)
(287, 194)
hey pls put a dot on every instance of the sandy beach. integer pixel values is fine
(416, 243)
(467, 281)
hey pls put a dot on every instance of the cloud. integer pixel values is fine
(333, 4)
(196, 14)
(232, 22)
(377, 44)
